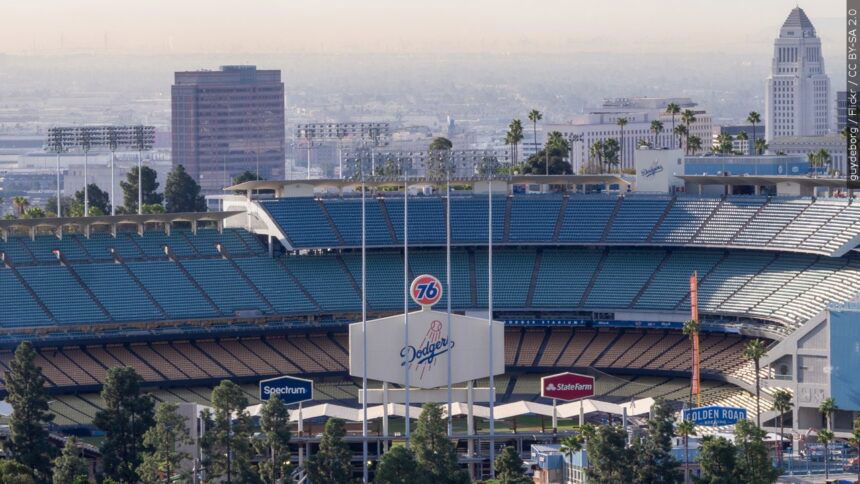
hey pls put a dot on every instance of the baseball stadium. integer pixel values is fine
(591, 283)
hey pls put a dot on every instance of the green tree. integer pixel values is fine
(537, 163)
(760, 146)
(50, 207)
(742, 136)
(685, 429)
(36, 212)
(611, 152)
(827, 408)
(509, 467)
(782, 404)
(514, 137)
(226, 444)
(69, 465)
(695, 144)
(854, 441)
(673, 110)
(753, 464)
(438, 161)
(754, 118)
(754, 351)
(826, 437)
(161, 462)
(534, 117)
(724, 144)
(246, 176)
(182, 193)
(332, 462)
(150, 187)
(13, 472)
(434, 451)
(688, 118)
(28, 442)
(274, 444)
(21, 204)
(656, 128)
(653, 459)
(98, 198)
(572, 444)
(398, 466)
(609, 458)
(126, 416)
(682, 132)
(717, 460)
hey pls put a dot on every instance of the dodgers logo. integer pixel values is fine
(423, 357)
(426, 290)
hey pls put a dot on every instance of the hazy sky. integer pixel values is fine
(232, 26)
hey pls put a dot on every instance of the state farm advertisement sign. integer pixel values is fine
(567, 386)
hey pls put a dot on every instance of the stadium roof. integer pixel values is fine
(278, 186)
(57, 223)
(744, 180)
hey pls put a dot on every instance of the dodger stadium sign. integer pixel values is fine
(430, 345)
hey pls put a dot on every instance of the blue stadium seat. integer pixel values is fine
(533, 218)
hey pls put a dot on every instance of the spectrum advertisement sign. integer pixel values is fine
(288, 388)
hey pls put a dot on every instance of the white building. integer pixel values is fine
(602, 124)
(834, 144)
(798, 100)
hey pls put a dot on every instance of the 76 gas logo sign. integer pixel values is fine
(426, 290)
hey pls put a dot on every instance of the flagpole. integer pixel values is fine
(490, 321)
(406, 287)
(448, 278)
(363, 328)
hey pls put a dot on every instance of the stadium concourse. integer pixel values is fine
(596, 284)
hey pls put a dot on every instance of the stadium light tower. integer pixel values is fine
(57, 144)
(86, 143)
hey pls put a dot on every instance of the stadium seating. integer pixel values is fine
(735, 221)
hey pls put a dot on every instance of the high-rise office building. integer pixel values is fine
(798, 100)
(228, 121)
(841, 121)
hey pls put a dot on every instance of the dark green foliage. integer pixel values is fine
(536, 163)
(274, 446)
(98, 198)
(652, 454)
(754, 465)
(150, 187)
(717, 460)
(332, 462)
(434, 451)
(69, 465)
(12, 472)
(28, 442)
(609, 459)
(162, 460)
(127, 415)
(509, 467)
(182, 193)
(226, 445)
(398, 466)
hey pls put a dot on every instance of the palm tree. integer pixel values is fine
(782, 404)
(621, 122)
(534, 117)
(688, 117)
(855, 441)
(724, 144)
(753, 119)
(572, 444)
(825, 437)
(685, 429)
(812, 158)
(674, 109)
(742, 136)
(755, 350)
(21, 204)
(695, 144)
(823, 157)
(827, 408)
(438, 148)
(760, 146)
(595, 152)
(515, 133)
(681, 131)
(656, 128)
